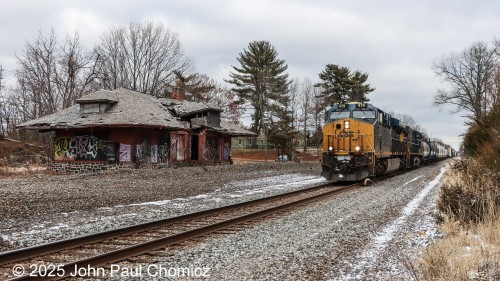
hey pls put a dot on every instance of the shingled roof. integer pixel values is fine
(130, 109)
(127, 108)
(104, 96)
(187, 108)
(232, 129)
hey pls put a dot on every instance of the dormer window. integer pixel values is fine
(93, 108)
(97, 102)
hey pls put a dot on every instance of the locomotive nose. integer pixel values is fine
(344, 167)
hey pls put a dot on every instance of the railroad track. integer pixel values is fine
(50, 261)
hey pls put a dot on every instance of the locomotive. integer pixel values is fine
(362, 141)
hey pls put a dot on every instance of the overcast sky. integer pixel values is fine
(396, 42)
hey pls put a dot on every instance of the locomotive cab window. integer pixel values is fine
(339, 115)
(364, 115)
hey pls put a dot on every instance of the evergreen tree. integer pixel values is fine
(261, 80)
(340, 85)
(281, 131)
(359, 88)
(193, 87)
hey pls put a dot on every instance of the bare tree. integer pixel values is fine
(1, 78)
(407, 120)
(2, 106)
(294, 90)
(140, 57)
(50, 77)
(318, 117)
(471, 76)
(227, 100)
(75, 72)
(496, 84)
(11, 113)
(307, 97)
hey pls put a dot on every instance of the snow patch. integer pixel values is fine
(115, 215)
(410, 181)
(368, 259)
(157, 203)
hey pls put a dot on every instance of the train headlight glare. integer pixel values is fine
(358, 148)
(330, 148)
(346, 124)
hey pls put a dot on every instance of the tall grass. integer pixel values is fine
(470, 193)
(472, 254)
(469, 205)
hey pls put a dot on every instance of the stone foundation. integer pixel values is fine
(87, 167)
(80, 167)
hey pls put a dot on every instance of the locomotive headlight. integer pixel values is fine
(346, 124)
(330, 148)
(357, 148)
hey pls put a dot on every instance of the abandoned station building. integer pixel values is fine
(121, 128)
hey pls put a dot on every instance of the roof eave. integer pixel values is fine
(68, 127)
(108, 101)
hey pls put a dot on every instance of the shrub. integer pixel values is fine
(483, 140)
(470, 192)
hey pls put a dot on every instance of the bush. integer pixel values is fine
(483, 140)
(470, 193)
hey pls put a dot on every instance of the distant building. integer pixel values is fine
(257, 142)
(113, 129)
(250, 142)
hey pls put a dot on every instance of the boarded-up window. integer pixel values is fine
(178, 142)
(93, 107)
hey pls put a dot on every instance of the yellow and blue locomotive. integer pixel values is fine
(361, 141)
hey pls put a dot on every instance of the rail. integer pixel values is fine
(9, 258)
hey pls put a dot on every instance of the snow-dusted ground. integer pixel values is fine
(410, 232)
(372, 233)
(66, 225)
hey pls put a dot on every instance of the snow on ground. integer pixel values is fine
(65, 225)
(410, 230)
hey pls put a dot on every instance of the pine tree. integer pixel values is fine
(281, 131)
(359, 88)
(261, 80)
(193, 87)
(340, 85)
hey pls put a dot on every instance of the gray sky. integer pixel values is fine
(394, 41)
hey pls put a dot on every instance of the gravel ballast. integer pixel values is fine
(365, 234)
(43, 208)
(339, 239)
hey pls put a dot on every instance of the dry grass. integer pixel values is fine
(472, 254)
(470, 248)
(11, 171)
(470, 192)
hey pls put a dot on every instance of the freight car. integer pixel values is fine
(362, 141)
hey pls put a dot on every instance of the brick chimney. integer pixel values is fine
(176, 95)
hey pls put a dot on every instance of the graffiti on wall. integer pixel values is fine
(80, 148)
(139, 153)
(227, 151)
(154, 153)
(125, 152)
(111, 151)
(180, 147)
(212, 152)
(163, 153)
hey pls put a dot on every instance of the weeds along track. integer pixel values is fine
(104, 248)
